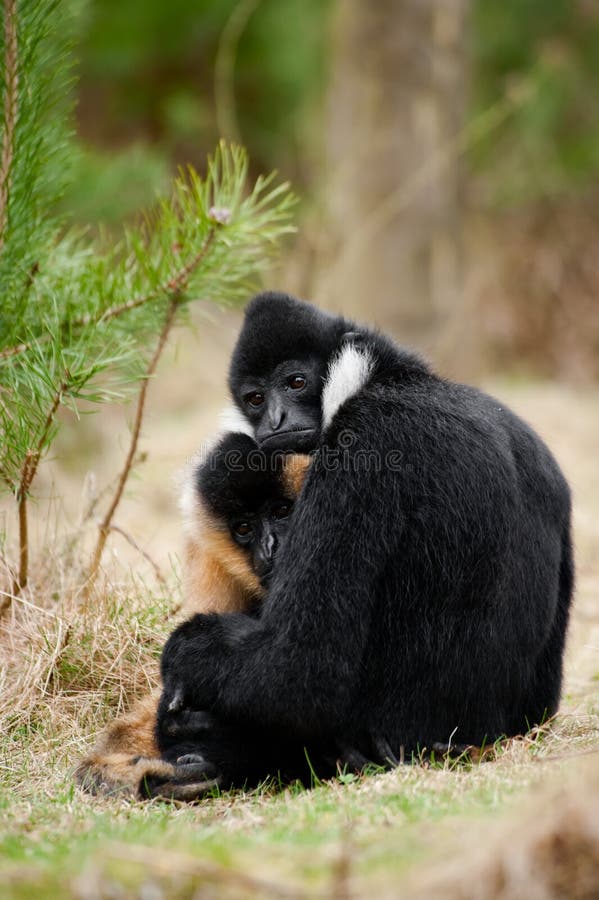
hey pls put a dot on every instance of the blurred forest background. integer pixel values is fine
(446, 155)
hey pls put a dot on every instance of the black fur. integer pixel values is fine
(237, 478)
(243, 485)
(423, 593)
(236, 481)
(273, 332)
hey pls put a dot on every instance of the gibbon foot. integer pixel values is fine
(191, 778)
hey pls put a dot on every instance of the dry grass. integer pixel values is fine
(524, 825)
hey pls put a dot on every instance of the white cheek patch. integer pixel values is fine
(188, 500)
(348, 372)
(232, 419)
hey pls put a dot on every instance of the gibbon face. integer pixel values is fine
(279, 367)
(244, 497)
(285, 406)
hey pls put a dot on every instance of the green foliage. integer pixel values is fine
(149, 74)
(545, 53)
(148, 71)
(281, 80)
(34, 81)
(108, 187)
(77, 323)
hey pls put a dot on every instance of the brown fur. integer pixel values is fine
(217, 579)
(294, 472)
(125, 753)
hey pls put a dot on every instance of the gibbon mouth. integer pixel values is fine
(284, 434)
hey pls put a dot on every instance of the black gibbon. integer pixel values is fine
(236, 505)
(423, 592)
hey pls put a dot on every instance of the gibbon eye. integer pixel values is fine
(255, 398)
(242, 529)
(296, 382)
(282, 511)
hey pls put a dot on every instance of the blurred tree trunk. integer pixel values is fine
(398, 99)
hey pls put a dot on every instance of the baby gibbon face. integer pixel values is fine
(261, 532)
(251, 492)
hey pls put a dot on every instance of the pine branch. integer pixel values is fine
(10, 109)
(21, 580)
(105, 525)
(28, 473)
(207, 240)
(175, 283)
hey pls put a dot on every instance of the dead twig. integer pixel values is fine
(159, 576)
(175, 286)
(8, 598)
(106, 522)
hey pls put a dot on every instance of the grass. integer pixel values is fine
(528, 817)
(333, 840)
(378, 828)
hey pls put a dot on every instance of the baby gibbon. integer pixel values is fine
(237, 504)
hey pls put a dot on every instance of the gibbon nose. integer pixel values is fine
(265, 555)
(276, 414)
